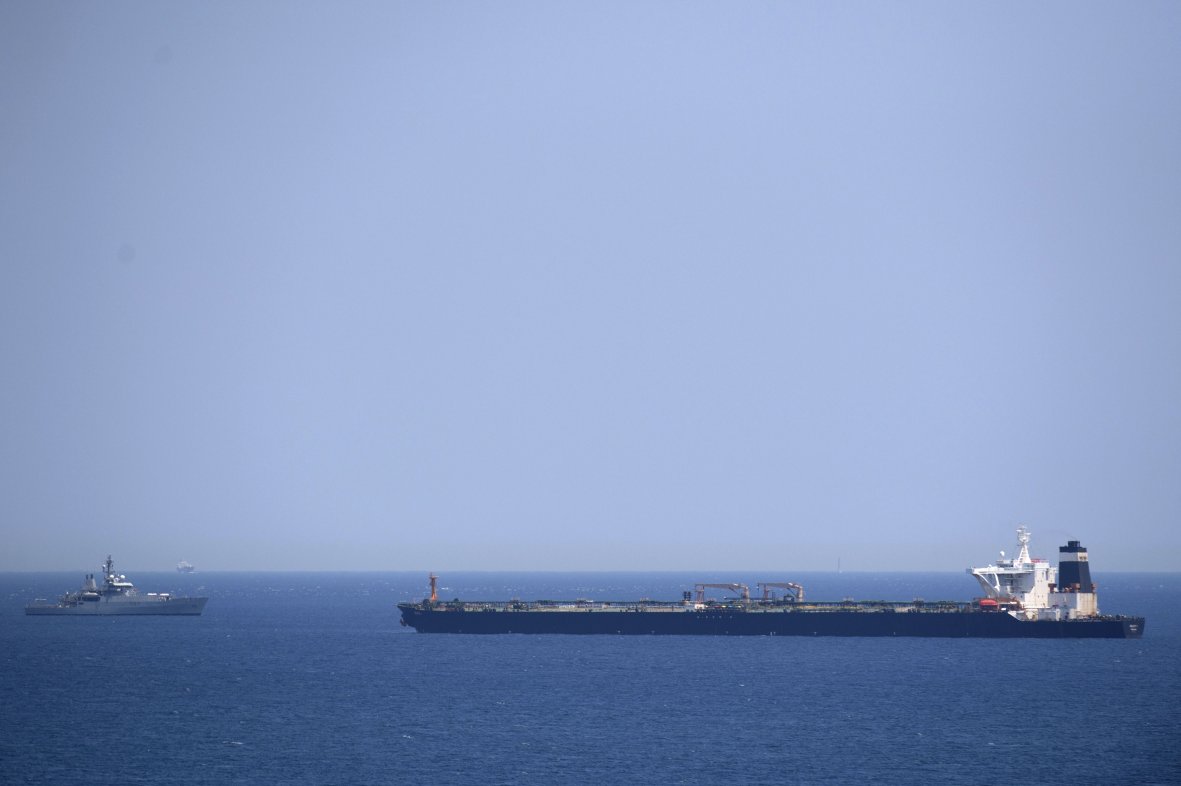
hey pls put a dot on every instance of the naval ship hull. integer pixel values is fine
(777, 622)
(138, 607)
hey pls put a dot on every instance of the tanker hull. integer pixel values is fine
(738, 622)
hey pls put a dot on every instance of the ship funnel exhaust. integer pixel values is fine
(1075, 594)
(1074, 571)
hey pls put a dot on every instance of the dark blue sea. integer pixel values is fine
(309, 679)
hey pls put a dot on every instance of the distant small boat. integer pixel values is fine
(184, 567)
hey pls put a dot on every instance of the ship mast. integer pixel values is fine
(1023, 541)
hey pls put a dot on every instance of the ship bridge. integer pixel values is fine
(1022, 578)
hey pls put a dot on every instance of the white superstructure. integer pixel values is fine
(1027, 587)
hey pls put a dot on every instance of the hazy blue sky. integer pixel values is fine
(562, 285)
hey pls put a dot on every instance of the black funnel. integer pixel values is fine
(1074, 571)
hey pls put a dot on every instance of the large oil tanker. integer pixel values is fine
(1023, 597)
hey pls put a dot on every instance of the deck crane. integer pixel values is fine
(796, 591)
(740, 588)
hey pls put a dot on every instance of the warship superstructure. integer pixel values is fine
(1024, 597)
(116, 595)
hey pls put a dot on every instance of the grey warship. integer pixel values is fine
(117, 595)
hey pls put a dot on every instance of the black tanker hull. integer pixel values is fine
(972, 624)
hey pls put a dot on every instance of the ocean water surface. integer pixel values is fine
(309, 679)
